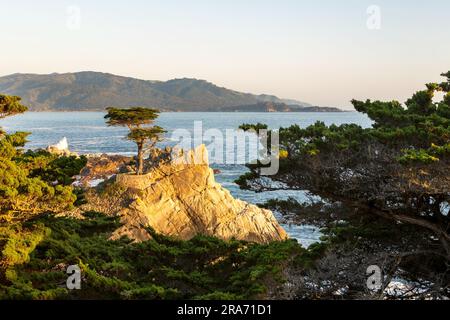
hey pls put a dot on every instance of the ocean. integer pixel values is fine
(87, 133)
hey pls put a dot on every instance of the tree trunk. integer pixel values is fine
(440, 231)
(140, 166)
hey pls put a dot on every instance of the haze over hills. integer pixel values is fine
(94, 91)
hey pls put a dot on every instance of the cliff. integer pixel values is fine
(179, 197)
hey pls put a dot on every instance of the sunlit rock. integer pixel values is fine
(181, 198)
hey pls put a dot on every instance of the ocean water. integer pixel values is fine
(87, 133)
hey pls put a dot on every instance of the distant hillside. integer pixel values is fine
(91, 91)
(278, 107)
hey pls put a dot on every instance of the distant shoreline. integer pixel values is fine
(94, 91)
(232, 112)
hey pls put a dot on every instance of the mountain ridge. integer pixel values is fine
(94, 91)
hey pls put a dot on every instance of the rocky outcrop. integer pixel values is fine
(180, 198)
(61, 148)
(101, 168)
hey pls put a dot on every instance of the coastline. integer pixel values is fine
(229, 112)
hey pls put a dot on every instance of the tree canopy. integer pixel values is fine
(398, 169)
(10, 105)
(34, 182)
(131, 117)
(138, 120)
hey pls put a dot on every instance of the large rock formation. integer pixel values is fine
(180, 198)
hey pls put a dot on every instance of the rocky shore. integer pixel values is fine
(178, 197)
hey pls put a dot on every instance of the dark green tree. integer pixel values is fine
(397, 170)
(32, 184)
(10, 105)
(25, 188)
(139, 121)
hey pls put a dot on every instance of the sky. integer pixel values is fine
(324, 52)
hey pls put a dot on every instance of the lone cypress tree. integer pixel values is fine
(139, 121)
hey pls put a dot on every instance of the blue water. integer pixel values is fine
(87, 134)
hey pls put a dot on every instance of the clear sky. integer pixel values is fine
(322, 52)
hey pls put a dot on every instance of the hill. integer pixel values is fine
(93, 91)
(278, 107)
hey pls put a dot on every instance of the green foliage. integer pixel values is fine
(289, 205)
(130, 117)
(418, 156)
(255, 127)
(425, 156)
(421, 123)
(22, 196)
(11, 144)
(52, 168)
(243, 181)
(31, 184)
(19, 243)
(137, 120)
(141, 135)
(34, 182)
(397, 169)
(10, 105)
(218, 295)
(162, 268)
(409, 131)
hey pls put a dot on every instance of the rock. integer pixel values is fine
(61, 148)
(180, 198)
(62, 145)
(198, 156)
(102, 167)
